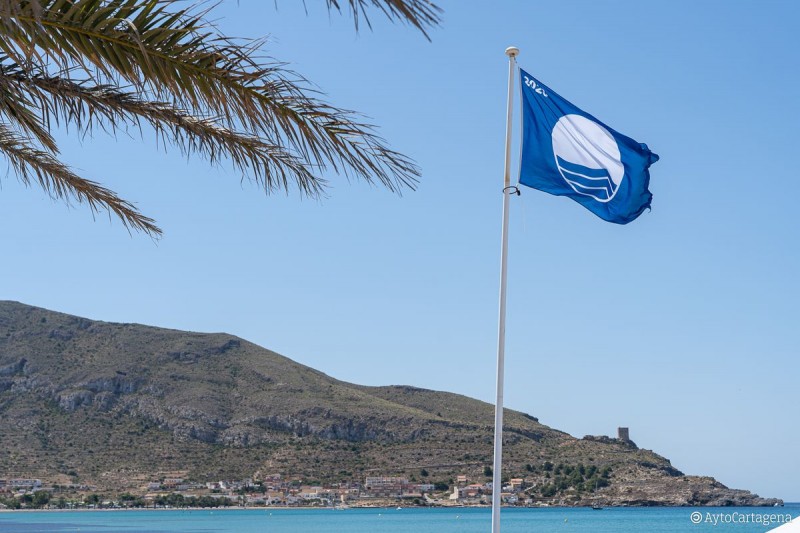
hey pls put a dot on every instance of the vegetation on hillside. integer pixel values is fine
(114, 406)
(578, 478)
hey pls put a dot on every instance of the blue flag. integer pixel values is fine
(568, 152)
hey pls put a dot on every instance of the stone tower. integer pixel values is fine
(623, 434)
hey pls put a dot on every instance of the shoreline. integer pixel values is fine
(381, 507)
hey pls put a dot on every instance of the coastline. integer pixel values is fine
(790, 505)
(405, 520)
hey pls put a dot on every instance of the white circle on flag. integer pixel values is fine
(588, 157)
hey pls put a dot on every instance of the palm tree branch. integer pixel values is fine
(199, 72)
(16, 105)
(419, 13)
(57, 179)
(86, 105)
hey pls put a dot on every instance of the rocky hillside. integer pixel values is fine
(112, 404)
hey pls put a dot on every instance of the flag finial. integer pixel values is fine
(512, 51)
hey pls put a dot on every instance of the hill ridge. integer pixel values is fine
(107, 403)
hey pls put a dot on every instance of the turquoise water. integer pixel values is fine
(460, 520)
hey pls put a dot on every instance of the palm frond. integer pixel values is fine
(85, 106)
(178, 58)
(57, 179)
(421, 14)
(67, 60)
(15, 106)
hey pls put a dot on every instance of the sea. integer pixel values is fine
(404, 520)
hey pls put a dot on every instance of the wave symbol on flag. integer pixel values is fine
(592, 181)
(588, 157)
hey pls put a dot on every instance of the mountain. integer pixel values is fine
(113, 405)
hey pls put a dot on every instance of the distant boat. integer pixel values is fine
(596, 507)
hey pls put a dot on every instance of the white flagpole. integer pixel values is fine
(508, 190)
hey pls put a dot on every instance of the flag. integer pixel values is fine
(568, 152)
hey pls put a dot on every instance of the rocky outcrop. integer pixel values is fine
(17, 367)
(608, 440)
(683, 491)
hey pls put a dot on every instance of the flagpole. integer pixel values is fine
(508, 190)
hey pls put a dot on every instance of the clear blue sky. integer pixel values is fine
(683, 325)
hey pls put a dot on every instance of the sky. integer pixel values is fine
(683, 325)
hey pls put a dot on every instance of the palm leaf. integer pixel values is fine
(419, 13)
(205, 92)
(86, 106)
(54, 177)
